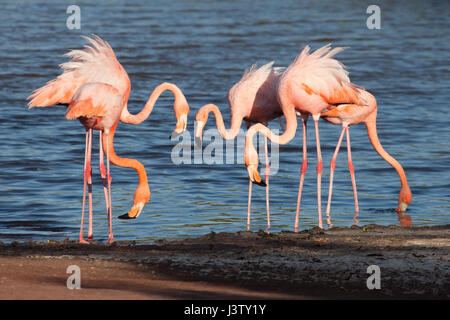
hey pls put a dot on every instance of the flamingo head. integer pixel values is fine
(200, 120)
(404, 199)
(141, 197)
(251, 162)
(181, 112)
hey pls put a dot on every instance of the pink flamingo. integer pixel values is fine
(96, 88)
(315, 84)
(253, 99)
(349, 114)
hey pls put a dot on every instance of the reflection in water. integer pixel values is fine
(355, 218)
(404, 219)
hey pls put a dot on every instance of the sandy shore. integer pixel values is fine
(317, 264)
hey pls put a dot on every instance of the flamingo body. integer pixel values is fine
(254, 97)
(317, 84)
(96, 88)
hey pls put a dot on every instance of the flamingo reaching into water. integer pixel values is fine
(349, 114)
(254, 100)
(96, 88)
(317, 84)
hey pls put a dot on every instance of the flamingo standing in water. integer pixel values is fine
(349, 114)
(317, 84)
(253, 99)
(96, 88)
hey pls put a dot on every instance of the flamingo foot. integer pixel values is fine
(90, 237)
(111, 239)
(81, 240)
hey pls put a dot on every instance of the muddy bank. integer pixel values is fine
(414, 263)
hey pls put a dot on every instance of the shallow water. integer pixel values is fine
(204, 47)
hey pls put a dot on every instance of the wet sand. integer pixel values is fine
(313, 264)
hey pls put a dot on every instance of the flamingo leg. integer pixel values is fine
(103, 172)
(80, 238)
(302, 173)
(89, 183)
(267, 173)
(110, 237)
(249, 203)
(332, 167)
(319, 168)
(352, 173)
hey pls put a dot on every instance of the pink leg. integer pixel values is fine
(332, 167)
(89, 182)
(267, 172)
(316, 118)
(85, 175)
(103, 172)
(111, 237)
(249, 203)
(302, 173)
(352, 171)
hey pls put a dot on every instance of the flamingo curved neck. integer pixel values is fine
(288, 134)
(123, 162)
(180, 100)
(373, 137)
(227, 134)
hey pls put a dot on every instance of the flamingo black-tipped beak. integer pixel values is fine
(175, 135)
(402, 207)
(126, 216)
(262, 183)
(254, 175)
(180, 126)
(134, 212)
(198, 141)
(199, 132)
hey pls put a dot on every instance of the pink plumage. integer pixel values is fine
(319, 79)
(96, 88)
(95, 63)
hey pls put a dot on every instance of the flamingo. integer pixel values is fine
(254, 100)
(349, 114)
(96, 87)
(317, 84)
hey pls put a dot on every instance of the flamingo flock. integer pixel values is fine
(95, 88)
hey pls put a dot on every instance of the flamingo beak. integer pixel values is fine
(254, 175)
(180, 126)
(199, 132)
(134, 212)
(402, 207)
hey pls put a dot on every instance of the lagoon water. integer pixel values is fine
(204, 47)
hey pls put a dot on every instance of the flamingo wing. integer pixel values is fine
(243, 93)
(94, 99)
(320, 74)
(94, 63)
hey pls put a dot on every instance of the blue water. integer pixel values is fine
(204, 47)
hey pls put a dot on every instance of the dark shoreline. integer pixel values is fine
(414, 263)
